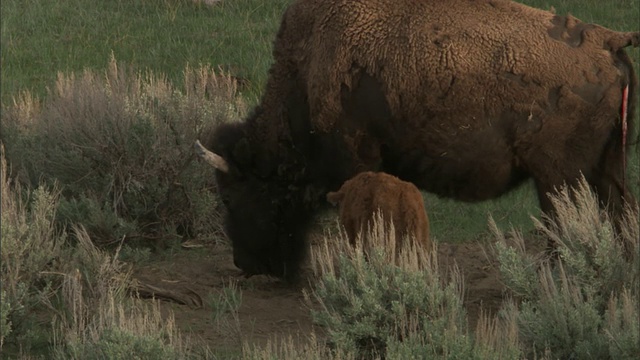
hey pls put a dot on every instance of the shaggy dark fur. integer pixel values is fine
(399, 202)
(464, 98)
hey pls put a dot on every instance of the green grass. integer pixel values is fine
(41, 37)
(619, 15)
(455, 221)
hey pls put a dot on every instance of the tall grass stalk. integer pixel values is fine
(101, 321)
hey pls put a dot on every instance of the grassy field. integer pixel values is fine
(41, 38)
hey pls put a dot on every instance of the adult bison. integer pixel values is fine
(398, 202)
(464, 98)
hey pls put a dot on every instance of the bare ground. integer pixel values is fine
(273, 309)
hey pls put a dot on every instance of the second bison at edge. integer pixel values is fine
(398, 201)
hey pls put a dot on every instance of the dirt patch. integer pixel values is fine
(270, 308)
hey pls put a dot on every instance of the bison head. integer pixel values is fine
(266, 219)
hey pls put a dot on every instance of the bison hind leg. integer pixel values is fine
(610, 185)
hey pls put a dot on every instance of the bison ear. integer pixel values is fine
(335, 197)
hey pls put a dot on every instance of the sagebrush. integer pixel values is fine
(120, 147)
(70, 300)
(584, 303)
(375, 307)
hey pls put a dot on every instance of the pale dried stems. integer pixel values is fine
(376, 298)
(103, 273)
(377, 249)
(293, 348)
(585, 300)
(581, 224)
(380, 236)
(90, 282)
(591, 250)
(604, 259)
(96, 301)
(622, 318)
(120, 143)
(497, 334)
(514, 260)
(88, 325)
(29, 239)
(224, 313)
(26, 109)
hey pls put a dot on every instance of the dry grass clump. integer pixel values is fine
(80, 289)
(30, 252)
(119, 145)
(585, 303)
(112, 326)
(307, 348)
(373, 307)
(99, 320)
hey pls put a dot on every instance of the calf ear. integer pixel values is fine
(335, 197)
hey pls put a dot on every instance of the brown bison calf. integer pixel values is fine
(399, 201)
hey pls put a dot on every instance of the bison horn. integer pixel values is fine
(212, 158)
